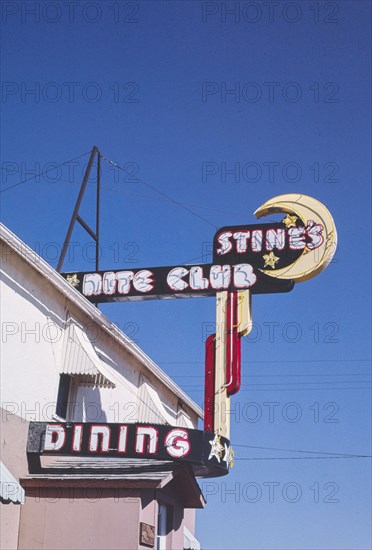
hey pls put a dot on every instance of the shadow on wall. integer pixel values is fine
(87, 406)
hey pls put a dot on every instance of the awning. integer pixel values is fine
(152, 409)
(81, 359)
(175, 480)
(10, 489)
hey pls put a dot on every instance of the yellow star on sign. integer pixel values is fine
(217, 448)
(270, 259)
(73, 279)
(229, 456)
(289, 221)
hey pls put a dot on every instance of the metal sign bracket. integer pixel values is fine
(77, 218)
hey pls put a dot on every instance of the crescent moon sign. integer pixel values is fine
(311, 262)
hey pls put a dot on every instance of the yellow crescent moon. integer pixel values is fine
(311, 262)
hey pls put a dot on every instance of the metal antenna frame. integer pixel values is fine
(75, 215)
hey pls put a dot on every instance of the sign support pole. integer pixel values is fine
(221, 400)
(98, 207)
(75, 215)
(243, 314)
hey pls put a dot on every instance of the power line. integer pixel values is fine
(284, 375)
(297, 383)
(171, 199)
(276, 361)
(141, 195)
(265, 384)
(185, 262)
(302, 457)
(43, 172)
(309, 389)
(285, 389)
(166, 199)
(301, 451)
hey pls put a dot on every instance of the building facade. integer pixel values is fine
(64, 367)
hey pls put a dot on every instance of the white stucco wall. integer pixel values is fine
(32, 327)
(34, 315)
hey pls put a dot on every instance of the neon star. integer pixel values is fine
(217, 448)
(270, 259)
(290, 221)
(229, 456)
(73, 280)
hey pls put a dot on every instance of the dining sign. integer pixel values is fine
(207, 454)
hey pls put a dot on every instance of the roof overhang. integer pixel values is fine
(176, 481)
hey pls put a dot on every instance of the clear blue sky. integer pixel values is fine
(150, 84)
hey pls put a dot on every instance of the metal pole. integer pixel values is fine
(98, 208)
(76, 209)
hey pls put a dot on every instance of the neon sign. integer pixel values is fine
(247, 260)
(207, 454)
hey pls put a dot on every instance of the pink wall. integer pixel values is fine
(93, 517)
(56, 518)
(9, 516)
(14, 431)
(13, 454)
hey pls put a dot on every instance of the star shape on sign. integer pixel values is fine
(73, 279)
(270, 259)
(217, 448)
(229, 456)
(290, 221)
